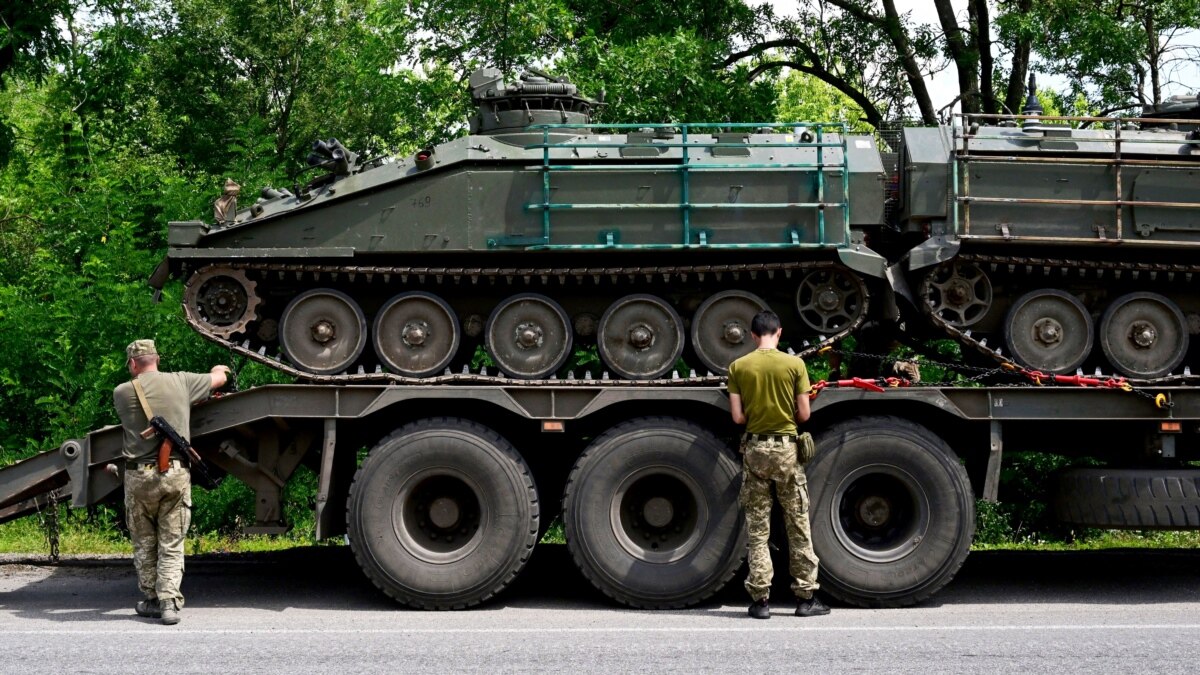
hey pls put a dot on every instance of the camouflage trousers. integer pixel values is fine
(158, 508)
(766, 464)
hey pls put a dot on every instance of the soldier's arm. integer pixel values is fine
(803, 389)
(735, 409)
(802, 408)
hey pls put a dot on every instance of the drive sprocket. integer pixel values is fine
(221, 300)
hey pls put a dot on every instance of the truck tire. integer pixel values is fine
(1129, 498)
(651, 514)
(892, 511)
(443, 514)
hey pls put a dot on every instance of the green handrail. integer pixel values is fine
(684, 166)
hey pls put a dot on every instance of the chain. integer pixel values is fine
(1037, 378)
(49, 519)
(980, 373)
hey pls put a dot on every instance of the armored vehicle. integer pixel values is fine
(1069, 242)
(1065, 242)
(536, 230)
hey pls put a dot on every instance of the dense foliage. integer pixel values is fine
(117, 116)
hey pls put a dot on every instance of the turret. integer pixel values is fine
(507, 110)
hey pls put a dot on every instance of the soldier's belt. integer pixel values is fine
(139, 464)
(770, 438)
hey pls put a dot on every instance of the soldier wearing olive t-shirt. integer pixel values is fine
(768, 392)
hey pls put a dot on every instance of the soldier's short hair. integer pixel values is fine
(765, 322)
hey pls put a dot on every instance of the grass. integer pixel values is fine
(97, 533)
(1096, 540)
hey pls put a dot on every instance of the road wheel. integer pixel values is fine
(1144, 335)
(892, 513)
(651, 514)
(443, 514)
(323, 331)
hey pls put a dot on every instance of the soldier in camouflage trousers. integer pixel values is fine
(158, 504)
(768, 392)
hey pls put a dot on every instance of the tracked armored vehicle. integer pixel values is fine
(1066, 243)
(538, 231)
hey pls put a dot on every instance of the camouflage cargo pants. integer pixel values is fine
(766, 464)
(158, 508)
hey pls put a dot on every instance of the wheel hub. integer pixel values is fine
(657, 516)
(829, 299)
(444, 512)
(415, 333)
(958, 294)
(734, 333)
(323, 331)
(529, 336)
(641, 336)
(1047, 331)
(874, 511)
(223, 300)
(658, 512)
(1143, 334)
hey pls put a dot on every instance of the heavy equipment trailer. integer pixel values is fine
(461, 479)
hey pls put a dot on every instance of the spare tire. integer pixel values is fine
(1133, 498)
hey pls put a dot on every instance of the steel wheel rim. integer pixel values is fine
(880, 513)
(721, 328)
(439, 516)
(959, 293)
(1144, 335)
(416, 334)
(640, 337)
(656, 515)
(1049, 330)
(529, 336)
(323, 331)
(830, 300)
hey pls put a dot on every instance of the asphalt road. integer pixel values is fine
(311, 611)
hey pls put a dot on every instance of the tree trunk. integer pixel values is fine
(1153, 54)
(1015, 92)
(965, 61)
(983, 46)
(912, 70)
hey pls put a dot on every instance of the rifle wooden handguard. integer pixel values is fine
(164, 456)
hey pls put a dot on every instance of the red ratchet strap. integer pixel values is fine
(877, 385)
(1038, 377)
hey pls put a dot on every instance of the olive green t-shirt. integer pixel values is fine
(768, 381)
(170, 396)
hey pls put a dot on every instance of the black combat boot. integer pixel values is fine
(759, 609)
(148, 608)
(811, 607)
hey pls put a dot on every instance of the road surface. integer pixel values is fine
(310, 610)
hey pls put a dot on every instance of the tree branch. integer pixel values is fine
(873, 116)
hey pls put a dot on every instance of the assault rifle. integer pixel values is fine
(172, 439)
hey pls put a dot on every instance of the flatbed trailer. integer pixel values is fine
(444, 490)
